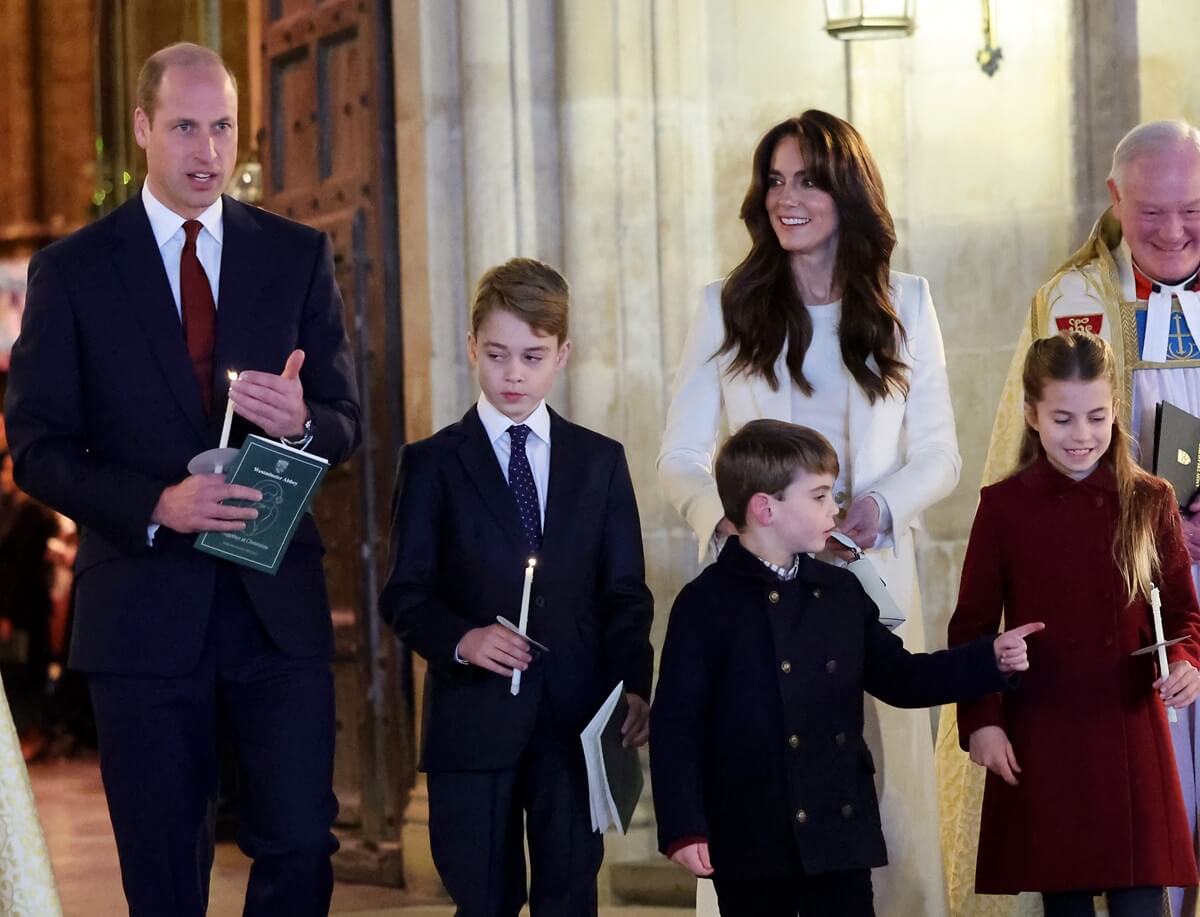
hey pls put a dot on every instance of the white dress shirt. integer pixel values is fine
(167, 227)
(537, 450)
(169, 236)
(537, 444)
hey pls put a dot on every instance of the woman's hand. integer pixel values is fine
(989, 747)
(1181, 686)
(862, 521)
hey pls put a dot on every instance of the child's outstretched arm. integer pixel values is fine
(1012, 653)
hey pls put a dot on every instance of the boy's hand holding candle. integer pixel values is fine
(495, 648)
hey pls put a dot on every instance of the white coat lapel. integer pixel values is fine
(776, 404)
(861, 414)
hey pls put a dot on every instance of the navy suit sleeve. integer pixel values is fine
(410, 602)
(628, 604)
(45, 411)
(678, 720)
(903, 679)
(330, 387)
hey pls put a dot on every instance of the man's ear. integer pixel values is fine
(472, 355)
(759, 509)
(141, 127)
(564, 351)
(1114, 193)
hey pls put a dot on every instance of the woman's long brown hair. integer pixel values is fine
(761, 306)
(1079, 356)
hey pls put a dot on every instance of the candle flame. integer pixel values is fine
(533, 561)
(232, 374)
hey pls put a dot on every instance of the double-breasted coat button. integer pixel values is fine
(840, 738)
(847, 811)
(794, 741)
(785, 667)
(831, 666)
(772, 596)
(801, 816)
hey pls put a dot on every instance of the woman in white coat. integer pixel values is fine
(814, 328)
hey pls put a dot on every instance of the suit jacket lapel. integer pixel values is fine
(245, 261)
(479, 460)
(567, 463)
(141, 268)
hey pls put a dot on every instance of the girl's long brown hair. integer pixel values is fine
(759, 301)
(1079, 356)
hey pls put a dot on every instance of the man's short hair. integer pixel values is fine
(1151, 137)
(532, 291)
(180, 54)
(763, 457)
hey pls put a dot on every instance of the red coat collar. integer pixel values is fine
(1043, 476)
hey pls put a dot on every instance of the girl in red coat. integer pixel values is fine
(1082, 796)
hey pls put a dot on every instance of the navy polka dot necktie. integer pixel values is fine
(520, 479)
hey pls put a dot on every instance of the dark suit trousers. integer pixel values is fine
(837, 894)
(475, 831)
(159, 762)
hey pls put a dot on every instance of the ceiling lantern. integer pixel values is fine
(851, 20)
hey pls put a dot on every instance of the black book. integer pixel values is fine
(614, 772)
(1177, 450)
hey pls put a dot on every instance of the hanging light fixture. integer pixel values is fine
(852, 20)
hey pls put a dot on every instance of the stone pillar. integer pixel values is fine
(611, 251)
(1105, 97)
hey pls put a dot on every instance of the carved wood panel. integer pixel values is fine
(329, 161)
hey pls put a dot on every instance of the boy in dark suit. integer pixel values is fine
(762, 778)
(510, 481)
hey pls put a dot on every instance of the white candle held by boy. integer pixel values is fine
(523, 620)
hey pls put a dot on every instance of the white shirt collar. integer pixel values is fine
(496, 424)
(165, 222)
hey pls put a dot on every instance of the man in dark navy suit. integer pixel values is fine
(117, 380)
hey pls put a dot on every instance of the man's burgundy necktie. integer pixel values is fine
(199, 312)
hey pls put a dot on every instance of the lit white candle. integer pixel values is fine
(1160, 639)
(523, 620)
(224, 443)
(228, 412)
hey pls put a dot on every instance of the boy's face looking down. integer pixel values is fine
(799, 520)
(515, 363)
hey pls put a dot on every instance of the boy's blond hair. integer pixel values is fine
(763, 457)
(532, 291)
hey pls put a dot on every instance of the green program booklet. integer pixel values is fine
(287, 479)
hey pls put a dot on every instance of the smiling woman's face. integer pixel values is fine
(804, 217)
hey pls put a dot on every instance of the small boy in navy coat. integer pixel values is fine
(762, 778)
(473, 503)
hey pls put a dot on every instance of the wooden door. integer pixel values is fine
(329, 161)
